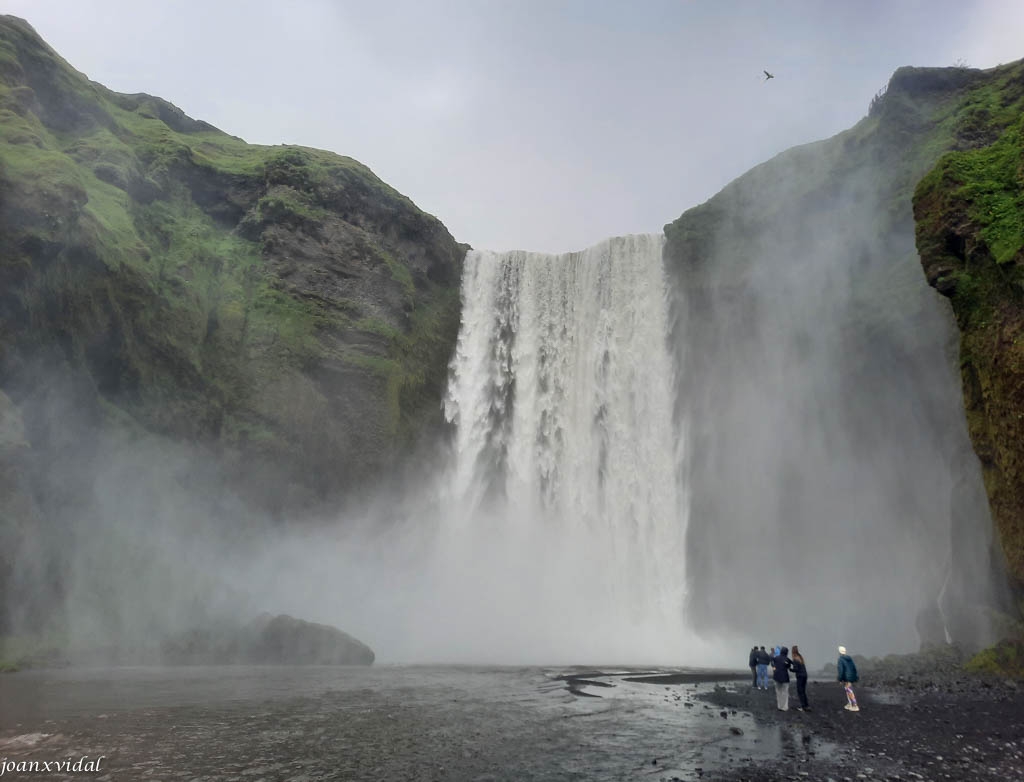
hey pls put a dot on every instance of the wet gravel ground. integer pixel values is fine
(454, 723)
(947, 727)
(383, 723)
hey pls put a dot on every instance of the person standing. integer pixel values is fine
(783, 665)
(846, 672)
(763, 658)
(753, 667)
(800, 671)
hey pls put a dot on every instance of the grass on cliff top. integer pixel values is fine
(200, 269)
(987, 173)
(990, 181)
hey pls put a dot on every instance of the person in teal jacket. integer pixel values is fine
(846, 672)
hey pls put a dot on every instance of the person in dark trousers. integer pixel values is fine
(763, 658)
(846, 672)
(753, 667)
(782, 665)
(800, 671)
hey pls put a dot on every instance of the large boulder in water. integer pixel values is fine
(266, 640)
(285, 640)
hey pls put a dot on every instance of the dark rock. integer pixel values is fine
(286, 640)
(267, 640)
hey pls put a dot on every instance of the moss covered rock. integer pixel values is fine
(280, 305)
(969, 212)
(1006, 658)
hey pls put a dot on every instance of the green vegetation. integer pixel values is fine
(970, 234)
(212, 289)
(1005, 659)
(20, 652)
(990, 183)
(416, 370)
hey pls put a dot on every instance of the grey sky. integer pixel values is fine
(533, 125)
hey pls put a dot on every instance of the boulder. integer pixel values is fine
(285, 640)
(266, 640)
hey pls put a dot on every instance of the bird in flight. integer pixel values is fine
(768, 76)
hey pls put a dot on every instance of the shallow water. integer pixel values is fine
(386, 722)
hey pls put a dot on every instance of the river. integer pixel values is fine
(379, 723)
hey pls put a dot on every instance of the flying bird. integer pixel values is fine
(768, 76)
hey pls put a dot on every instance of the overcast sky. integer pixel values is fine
(535, 125)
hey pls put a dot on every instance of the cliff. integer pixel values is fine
(820, 379)
(196, 335)
(279, 305)
(970, 234)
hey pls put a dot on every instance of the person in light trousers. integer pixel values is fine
(783, 665)
(763, 658)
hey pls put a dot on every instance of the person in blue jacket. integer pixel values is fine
(846, 672)
(782, 665)
(763, 658)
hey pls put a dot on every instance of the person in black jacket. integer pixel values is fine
(783, 665)
(763, 658)
(800, 671)
(753, 667)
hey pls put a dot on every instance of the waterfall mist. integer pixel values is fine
(550, 529)
(831, 457)
(661, 450)
(568, 468)
(553, 529)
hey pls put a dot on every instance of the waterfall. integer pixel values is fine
(568, 469)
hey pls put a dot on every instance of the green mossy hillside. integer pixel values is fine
(281, 305)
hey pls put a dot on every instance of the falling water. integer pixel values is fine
(567, 459)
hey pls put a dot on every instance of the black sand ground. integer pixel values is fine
(454, 724)
(923, 723)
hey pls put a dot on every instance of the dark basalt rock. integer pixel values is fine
(285, 640)
(267, 640)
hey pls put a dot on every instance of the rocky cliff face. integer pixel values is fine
(819, 374)
(279, 312)
(970, 234)
(280, 305)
